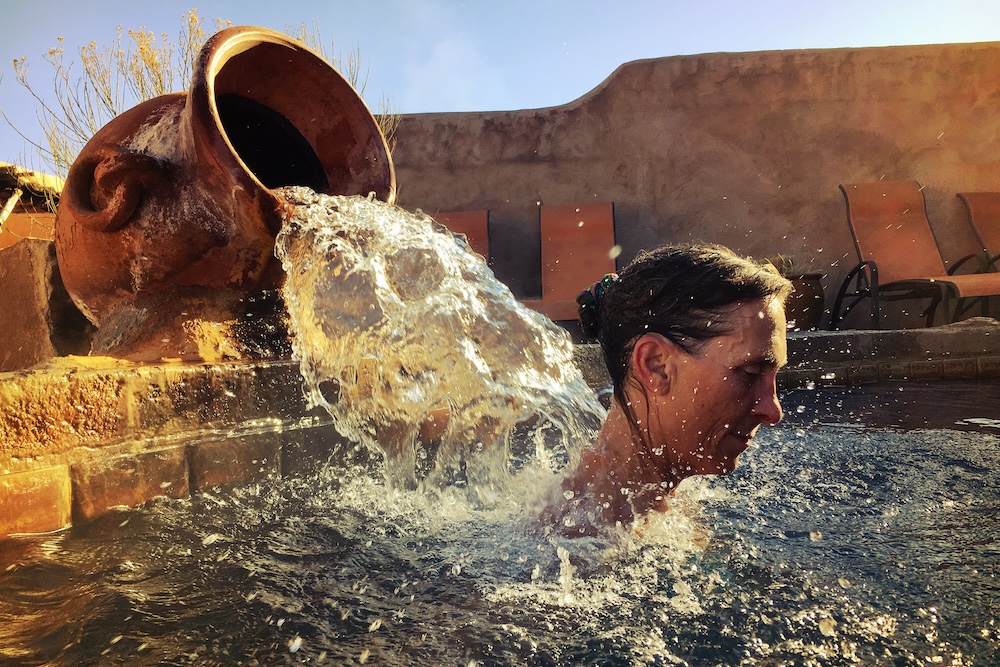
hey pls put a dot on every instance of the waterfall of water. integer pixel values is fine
(401, 330)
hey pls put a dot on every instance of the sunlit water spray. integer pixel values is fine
(400, 329)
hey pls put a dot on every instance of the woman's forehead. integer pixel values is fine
(757, 333)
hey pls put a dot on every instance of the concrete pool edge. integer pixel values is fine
(79, 439)
(968, 349)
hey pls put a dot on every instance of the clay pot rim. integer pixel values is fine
(230, 42)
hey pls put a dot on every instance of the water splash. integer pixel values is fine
(398, 326)
(728, 577)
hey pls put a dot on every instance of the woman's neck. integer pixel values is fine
(618, 474)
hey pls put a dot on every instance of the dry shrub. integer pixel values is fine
(133, 69)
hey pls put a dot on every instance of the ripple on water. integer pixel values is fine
(878, 549)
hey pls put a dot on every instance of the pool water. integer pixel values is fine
(847, 536)
(833, 544)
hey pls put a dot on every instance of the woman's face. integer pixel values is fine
(717, 397)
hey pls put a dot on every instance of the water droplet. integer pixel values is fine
(391, 260)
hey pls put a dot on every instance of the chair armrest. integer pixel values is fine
(954, 267)
(865, 278)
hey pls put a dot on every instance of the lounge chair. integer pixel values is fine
(577, 243)
(473, 224)
(899, 256)
(984, 216)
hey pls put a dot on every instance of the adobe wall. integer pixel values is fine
(745, 149)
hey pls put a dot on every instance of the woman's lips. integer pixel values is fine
(737, 442)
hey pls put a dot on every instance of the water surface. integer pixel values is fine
(830, 545)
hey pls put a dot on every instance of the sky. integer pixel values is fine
(487, 55)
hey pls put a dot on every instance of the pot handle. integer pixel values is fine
(106, 187)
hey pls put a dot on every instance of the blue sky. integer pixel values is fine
(452, 55)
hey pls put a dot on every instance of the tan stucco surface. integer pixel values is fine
(745, 149)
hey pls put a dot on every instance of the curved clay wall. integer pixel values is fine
(745, 149)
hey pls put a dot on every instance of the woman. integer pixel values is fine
(693, 337)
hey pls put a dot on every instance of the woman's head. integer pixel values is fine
(684, 292)
(693, 337)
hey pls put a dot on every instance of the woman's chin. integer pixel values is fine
(730, 449)
(729, 465)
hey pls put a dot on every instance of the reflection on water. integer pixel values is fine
(828, 546)
(961, 404)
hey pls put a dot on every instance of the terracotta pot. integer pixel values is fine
(174, 197)
(804, 307)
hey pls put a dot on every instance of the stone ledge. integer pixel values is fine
(234, 460)
(35, 501)
(83, 436)
(48, 498)
(56, 411)
(128, 480)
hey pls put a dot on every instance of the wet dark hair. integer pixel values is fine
(685, 293)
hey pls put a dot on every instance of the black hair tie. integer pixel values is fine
(589, 302)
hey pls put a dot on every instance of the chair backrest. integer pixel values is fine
(888, 220)
(475, 226)
(577, 243)
(984, 215)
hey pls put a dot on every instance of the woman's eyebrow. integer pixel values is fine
(766, 359)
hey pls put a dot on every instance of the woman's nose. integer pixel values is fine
(767, 407)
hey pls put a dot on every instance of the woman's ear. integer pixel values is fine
(654, 363)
